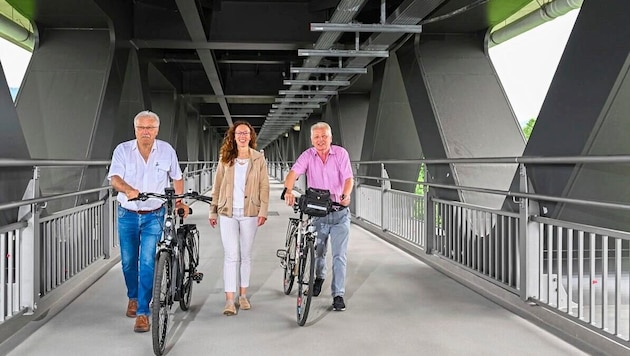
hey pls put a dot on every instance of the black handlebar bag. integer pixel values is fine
(316, 202)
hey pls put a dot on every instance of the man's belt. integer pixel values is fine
(142, 212)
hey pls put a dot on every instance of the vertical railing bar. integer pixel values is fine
(569, 270)
(559, 232)
(4, 237)
(504, 247)
(549, 261)
(618, 253)
(592, 279)
(581, 275)
(10, 270)
(17, 236)
(604, 282)
(510, 256)
(541, 259)
(457, 227)
(484, 242)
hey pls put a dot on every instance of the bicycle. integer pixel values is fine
(298, 257)
(176, 261)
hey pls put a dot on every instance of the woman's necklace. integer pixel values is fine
(242, 161)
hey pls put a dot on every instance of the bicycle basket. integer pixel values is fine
(316, 202)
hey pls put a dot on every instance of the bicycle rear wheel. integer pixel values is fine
(162, 302)
(306, 278)
(289, 258)
(189, 258)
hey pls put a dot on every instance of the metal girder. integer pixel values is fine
(190, 15)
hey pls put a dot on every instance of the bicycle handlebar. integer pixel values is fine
(192, 195)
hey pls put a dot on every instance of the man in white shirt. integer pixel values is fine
(142, 165)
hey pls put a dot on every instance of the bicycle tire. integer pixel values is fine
(189, 266)
(161, 302)
(306, 278)
(289, 258)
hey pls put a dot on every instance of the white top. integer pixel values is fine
(151, 176)
(240, 177)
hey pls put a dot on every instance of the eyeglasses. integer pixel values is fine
(140, 128)
(243, 133)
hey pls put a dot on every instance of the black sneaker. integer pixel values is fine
(338, 304)
(317, 286)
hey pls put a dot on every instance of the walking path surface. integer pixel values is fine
(396, 305)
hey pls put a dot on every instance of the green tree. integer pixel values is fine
(529, 126)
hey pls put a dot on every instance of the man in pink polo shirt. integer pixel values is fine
(327, 167)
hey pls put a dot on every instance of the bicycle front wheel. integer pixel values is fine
(162, 302)
(189, 267)
(289, 258)
(306, 278)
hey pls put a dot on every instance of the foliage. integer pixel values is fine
(529, 126)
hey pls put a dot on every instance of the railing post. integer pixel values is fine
(108, 222)
(429, 221)
(529, 243)
(383, 189)
(30, 262)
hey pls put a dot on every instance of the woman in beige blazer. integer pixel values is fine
(240, 202)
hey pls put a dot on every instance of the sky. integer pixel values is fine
(525, 64)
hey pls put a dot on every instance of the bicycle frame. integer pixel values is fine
(172, 281)
(299, 251)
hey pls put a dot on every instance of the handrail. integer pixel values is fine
(594, 203)
(9, 162)
(17, 204)
(510, 160)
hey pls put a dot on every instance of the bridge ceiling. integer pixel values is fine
(230, 58)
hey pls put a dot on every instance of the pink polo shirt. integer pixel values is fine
(330, 175)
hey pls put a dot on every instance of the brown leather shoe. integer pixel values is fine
(132, 307)
(142, 324)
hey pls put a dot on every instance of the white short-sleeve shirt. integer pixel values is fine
(150, 176)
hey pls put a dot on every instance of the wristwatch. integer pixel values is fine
(343, 197)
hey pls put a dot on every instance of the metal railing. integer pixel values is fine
(556, 264)
(44, 251)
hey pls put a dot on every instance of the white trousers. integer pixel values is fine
(237, 235)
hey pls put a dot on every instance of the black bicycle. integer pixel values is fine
(298, 257)
(176, 262)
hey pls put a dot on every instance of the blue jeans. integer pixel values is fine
(335, 225)
(139, 235)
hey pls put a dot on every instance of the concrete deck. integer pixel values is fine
(396, 305)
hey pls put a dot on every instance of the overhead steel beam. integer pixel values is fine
(192, 20)
(297, 106)
(204, 44)
(307, 92)
(331, 70)
(359, 27)
(301, 100)
(338, 83)
(342, 53)
(232, 99)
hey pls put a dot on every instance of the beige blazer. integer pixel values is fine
(256, 188)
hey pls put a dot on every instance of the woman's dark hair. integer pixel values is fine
(229, 151)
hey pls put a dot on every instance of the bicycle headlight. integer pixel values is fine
(168, 223)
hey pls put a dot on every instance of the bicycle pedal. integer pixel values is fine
(197, 277)
(281, 253)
